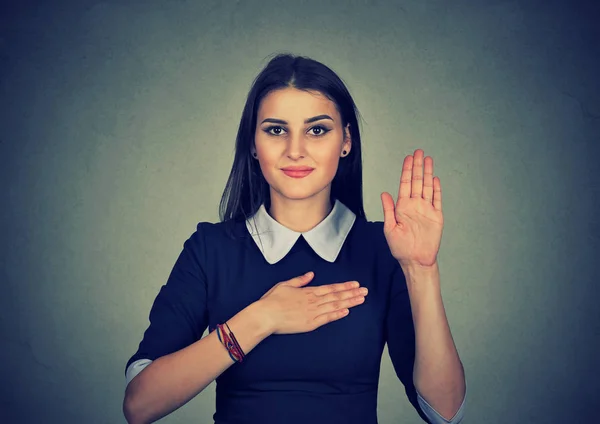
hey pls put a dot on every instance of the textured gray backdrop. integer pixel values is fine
(116, 136)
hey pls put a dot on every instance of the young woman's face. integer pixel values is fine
(296, 128)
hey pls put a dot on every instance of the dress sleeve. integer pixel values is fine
(400, 337)
(178, 316)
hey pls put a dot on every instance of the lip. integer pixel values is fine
(297, 174)
(297, 168)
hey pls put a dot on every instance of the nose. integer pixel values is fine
(296, 146)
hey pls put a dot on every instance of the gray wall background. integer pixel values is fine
(116, 137)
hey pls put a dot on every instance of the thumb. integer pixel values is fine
(300, 281)
(389, 212)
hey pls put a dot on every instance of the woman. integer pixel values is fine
(293, 338)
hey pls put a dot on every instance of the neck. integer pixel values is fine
(300, 215)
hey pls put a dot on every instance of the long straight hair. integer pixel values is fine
(246, 187)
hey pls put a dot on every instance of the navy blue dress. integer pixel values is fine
(329, 375)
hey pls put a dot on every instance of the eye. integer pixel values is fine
(277, 130)
(320, 130)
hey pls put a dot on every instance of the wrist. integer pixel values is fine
(416, 271)
(258, 315)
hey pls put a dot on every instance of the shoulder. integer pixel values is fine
(204, 246)
(211, 237)
(220, 232)
(370, 232)
(369, 237)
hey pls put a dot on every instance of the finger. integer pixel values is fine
(333, 288)
(323, 319)
(342, 296)
(428, 179)
(337, 305)
(417, 174)
(437, 194)
(300, 280)
(389, 212)
(405, 177)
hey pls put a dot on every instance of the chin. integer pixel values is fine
(290, 192)
(297, 194)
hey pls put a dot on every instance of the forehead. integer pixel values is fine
(293, 104)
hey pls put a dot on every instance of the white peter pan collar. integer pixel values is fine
(326, 239)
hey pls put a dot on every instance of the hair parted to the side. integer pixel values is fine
(246, 187)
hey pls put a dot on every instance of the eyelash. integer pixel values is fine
(322, 128)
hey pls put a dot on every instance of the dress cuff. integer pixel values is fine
(435, 416)
(135, 368)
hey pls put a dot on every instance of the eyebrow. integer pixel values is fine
(308, 121)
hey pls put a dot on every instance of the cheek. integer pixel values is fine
(330, 162)
(268, 157)
(268, 164)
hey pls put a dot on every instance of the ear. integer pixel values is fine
(347, 145)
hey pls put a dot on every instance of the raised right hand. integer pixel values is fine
(291, 308)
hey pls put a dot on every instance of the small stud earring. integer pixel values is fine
(255, 154)
(344, 152)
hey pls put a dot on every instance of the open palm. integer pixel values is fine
(413, 226)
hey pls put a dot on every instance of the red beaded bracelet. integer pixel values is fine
(230, 342)
(235, 342)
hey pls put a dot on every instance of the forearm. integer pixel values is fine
(438, 372)
(173, 380)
